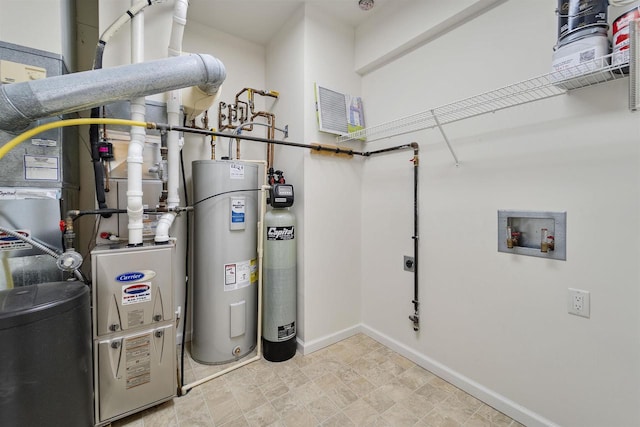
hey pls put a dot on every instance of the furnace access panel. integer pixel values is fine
(133, 329)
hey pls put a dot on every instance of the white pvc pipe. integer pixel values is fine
(173, 117)
(136, 146)
(177, 29)
(122, 19)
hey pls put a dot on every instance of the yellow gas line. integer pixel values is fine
(71, 122)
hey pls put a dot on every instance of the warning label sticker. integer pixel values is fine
(253, 269)
(286, 331)
(136, 293)
(138, 360)
(11, 243)
(240, 274)
(229, 275)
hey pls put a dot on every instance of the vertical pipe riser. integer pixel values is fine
(416, 303)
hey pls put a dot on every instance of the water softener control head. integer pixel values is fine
(281, 196)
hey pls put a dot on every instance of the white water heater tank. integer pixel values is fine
(225, 269)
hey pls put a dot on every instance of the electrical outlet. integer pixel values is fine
(578, 302)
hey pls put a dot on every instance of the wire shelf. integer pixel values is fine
(545, 86)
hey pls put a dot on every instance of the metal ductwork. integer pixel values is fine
(22, 103)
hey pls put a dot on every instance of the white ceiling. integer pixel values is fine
(259, 20)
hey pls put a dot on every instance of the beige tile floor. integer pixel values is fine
(356, 382)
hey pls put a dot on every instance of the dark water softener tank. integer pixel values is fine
(45, 356)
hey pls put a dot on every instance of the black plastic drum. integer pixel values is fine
(45, 356)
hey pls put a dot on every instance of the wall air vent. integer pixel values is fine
(338, 113)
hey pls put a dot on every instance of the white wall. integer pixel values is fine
(332, 191)
(385, 37)
(493, 323)
(311, 48)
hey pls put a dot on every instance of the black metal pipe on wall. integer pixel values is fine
(415, 317)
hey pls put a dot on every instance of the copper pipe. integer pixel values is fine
(271, 119)
(271, 147)
(241, 111)
(241, 92)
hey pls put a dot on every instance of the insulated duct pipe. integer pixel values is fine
(174, 100)
(22, 103)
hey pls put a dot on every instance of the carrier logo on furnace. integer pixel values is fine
(280, 233)
(135, 276)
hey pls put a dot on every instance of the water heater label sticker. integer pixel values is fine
(10, 243)
(239, 274)
(236, 171)
(136, 293)
(41, 168)
(138, 360)
(237, 209)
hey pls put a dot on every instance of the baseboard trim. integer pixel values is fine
(501, 403)
(307, 347)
